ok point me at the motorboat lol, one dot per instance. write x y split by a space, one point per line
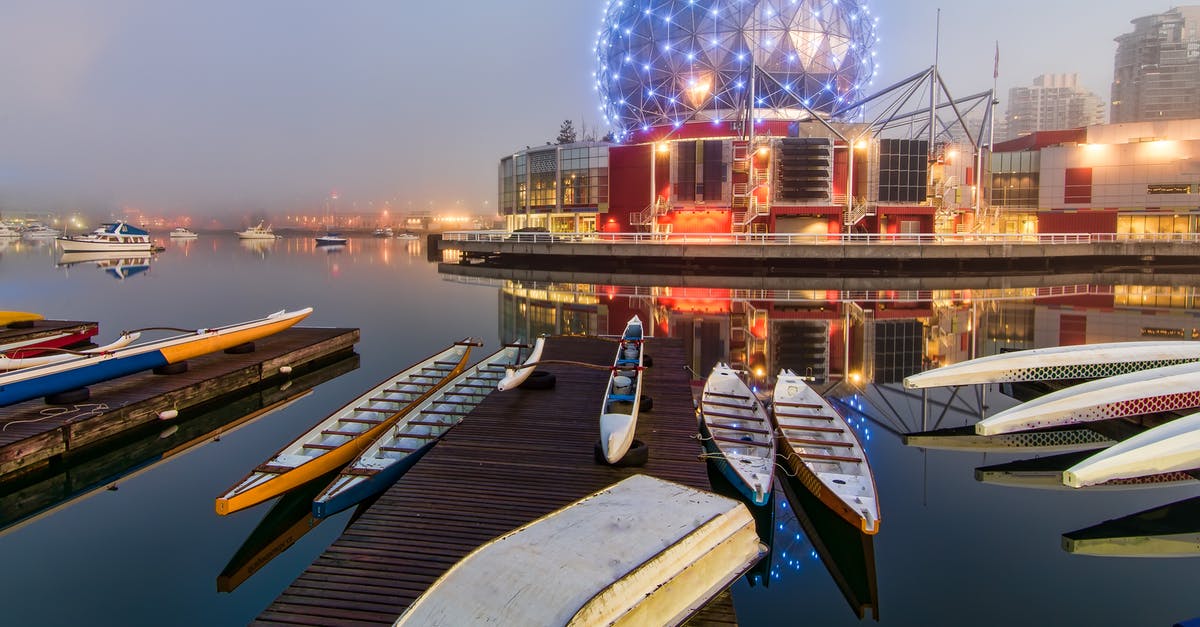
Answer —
115 237
258 231
331 239
383 232
8 232
407 235
37 231
183 233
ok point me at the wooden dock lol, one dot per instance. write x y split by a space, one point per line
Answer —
518 456
33 433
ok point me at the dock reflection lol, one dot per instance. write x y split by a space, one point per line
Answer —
45 491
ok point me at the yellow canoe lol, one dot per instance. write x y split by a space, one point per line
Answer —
9 317
343 435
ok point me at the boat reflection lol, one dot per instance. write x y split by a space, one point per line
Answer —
260 247
43 492
1168 531
764 523
116 264
847 553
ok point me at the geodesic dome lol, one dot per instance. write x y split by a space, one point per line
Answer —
665 62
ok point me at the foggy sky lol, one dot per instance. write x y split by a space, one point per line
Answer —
227 107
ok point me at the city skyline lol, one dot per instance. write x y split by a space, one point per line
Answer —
231 108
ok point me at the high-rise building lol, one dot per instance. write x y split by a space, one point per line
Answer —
1156 75
1053 102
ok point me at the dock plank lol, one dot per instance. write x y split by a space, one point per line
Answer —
517 456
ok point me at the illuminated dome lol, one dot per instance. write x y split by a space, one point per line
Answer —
666 62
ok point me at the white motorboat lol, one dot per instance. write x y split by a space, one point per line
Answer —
8 232
115 237
331 239
183 233
38 231
258 231
641 552
409 236
383 232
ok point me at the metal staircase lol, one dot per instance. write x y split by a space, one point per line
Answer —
649 216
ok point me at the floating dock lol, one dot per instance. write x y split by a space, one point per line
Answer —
34 433
518 456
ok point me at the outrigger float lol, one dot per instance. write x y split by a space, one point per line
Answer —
83 370
343 435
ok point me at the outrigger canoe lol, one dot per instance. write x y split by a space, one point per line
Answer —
737 434
1167 448
343 435
392 454
1059 363
48 342
673 550
623 396
1148 391
824 453
14 363
83 370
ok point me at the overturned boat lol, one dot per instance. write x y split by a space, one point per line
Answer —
1170 448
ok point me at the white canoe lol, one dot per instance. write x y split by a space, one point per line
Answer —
1171 447
823 451
737 434
623 395
1087 361
514 377
666 550
1144 392
8 363
340 437
393 453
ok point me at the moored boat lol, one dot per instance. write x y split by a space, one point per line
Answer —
393 453
1058 363
331 239
181 232
38 231
822 450
115 237
1147 391
342 436
623 395
12 360
18 317
737 435
33 346
8 232
383 232
407 235
258 231
83 370
1167 448
675 548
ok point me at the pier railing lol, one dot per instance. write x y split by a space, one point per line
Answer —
835 239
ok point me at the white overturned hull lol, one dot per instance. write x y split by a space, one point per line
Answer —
674 548
1161 389
514 377
1168 448
1059 363
1046 473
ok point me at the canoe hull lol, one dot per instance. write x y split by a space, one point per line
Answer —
717 458
368 485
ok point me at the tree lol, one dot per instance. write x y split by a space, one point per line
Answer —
566 132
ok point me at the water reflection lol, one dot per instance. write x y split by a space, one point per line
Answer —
1168 531
118 265
45 491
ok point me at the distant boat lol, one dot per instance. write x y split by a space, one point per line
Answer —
341 436
383 232
257 231
641 552
737 435
183 232
392 454
622 395
8 232
407 235
37 231
331 239
1143 392
1167 448
115 237
1086 361
823 452
83 370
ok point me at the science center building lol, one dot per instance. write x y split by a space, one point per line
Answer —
744 116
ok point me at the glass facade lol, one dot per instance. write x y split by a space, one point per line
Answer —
1015 179
559 187
903 170
584 177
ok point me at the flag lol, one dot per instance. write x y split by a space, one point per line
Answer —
996 69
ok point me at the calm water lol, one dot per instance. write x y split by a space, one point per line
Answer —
952 550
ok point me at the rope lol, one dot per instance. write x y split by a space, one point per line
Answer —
182 330
17 352
54 412
564 362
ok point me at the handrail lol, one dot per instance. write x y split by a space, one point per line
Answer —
831 239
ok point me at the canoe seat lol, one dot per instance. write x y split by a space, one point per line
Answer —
442 412
621 397
418 436
730 405
811 428
715 425
352 434
717 414
446 363
362 421
384 399
739 441
825 417
827 458
627 362
718 394
800 405
821 443
398 449
323 447
378 411
473 386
